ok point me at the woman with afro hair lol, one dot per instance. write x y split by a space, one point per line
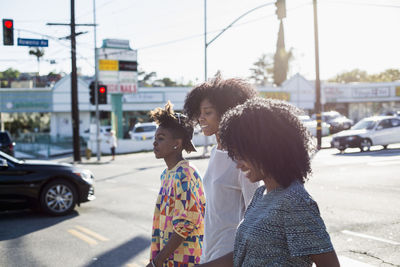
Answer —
178 225
227 190
282 225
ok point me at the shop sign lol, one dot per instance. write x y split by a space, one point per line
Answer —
145 98
276 95
371 92
108 65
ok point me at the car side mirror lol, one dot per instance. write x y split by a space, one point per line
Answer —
3 163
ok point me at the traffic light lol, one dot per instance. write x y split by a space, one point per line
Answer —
102 91
92 92
8 32
280 9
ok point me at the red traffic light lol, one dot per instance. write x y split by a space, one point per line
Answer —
8 24
102 90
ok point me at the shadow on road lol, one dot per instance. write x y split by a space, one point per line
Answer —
390 152
19 223
122 254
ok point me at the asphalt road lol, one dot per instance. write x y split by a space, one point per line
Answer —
358 195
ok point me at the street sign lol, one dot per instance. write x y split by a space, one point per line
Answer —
33 42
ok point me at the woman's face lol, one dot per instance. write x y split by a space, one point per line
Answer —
209 118
252 173
164 143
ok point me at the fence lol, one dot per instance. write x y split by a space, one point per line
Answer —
42 145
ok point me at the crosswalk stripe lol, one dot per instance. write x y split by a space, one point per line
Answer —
83 237
91 233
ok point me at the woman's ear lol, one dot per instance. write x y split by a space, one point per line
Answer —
178 144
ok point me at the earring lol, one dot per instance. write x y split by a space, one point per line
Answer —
175 147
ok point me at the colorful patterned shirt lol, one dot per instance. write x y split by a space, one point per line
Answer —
179 208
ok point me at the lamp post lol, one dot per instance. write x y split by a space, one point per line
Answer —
206 44
317 81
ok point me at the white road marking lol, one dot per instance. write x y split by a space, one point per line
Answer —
384 163
370 237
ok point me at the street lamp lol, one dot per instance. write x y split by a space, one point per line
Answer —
206 44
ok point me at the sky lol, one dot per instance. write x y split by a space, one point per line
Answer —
169 35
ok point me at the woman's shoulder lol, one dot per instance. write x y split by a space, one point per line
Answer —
297 195
186 168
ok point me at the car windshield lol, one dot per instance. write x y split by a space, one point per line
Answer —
364 124
142 129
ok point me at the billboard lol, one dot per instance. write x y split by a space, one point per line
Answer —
118 70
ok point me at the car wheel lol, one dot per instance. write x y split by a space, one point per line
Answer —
341 151
58 197
365 145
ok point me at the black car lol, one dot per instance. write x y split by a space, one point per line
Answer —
54 188
6 144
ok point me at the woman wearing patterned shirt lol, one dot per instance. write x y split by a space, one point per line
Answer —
178 228
282 225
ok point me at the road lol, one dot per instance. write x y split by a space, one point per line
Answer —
358 195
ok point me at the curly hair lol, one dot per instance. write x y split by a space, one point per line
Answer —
269 134
222 94
178 124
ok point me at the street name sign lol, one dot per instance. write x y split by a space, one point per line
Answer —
33 42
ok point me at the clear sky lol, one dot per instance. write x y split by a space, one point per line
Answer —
169 35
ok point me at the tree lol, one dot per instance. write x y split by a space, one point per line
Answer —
7 76
164 82
388 75
357 75
281 58
145 78
262 70
38 53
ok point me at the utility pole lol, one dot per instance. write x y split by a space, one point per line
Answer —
317 81
74 89
74 83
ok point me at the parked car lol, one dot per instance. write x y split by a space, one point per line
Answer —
143 131
378 130
337 121
6 143
52 187
104 131
311 125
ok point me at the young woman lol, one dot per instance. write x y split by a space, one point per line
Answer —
179 213
227 190
282 225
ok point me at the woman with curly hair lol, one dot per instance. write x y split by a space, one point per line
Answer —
227 190
178 225
282 225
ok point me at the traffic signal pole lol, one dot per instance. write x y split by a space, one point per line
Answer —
96 82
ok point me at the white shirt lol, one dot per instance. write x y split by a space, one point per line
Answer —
228 192
113 141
